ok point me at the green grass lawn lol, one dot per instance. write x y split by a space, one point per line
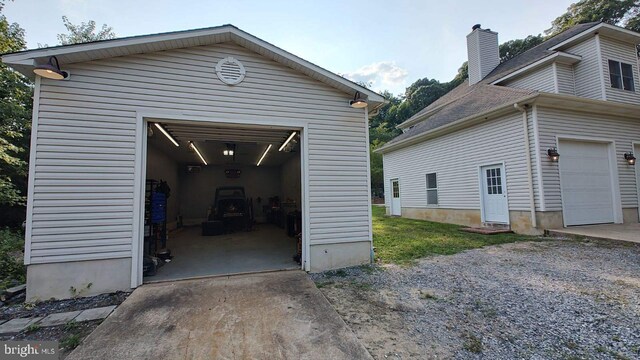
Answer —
401 241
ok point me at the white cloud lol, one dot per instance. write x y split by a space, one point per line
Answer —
384 75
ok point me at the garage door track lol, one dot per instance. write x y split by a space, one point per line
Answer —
278 315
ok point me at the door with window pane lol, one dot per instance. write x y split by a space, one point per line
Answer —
395 197
493 185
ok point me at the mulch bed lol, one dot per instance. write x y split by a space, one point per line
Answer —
44 308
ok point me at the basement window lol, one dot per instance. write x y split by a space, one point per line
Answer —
432 189
621 75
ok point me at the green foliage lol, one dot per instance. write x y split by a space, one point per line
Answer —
402 240
512 48
15 119
11 265
84 32
70 342
624 13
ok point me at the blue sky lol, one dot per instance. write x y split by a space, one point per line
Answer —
389 43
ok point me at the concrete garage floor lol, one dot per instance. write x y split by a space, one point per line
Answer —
280 315
264 249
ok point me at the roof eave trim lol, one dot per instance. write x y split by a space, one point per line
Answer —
592 29
28 57
371 95
548 59
502 109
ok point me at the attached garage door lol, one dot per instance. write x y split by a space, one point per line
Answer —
585 178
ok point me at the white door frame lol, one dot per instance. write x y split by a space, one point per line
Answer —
137 250
504 189
637 173
399 196
613 161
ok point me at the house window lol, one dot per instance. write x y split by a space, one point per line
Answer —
494 181
396 189
432 189
621 75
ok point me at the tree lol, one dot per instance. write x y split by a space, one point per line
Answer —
15 118
513 48
616 12
85 32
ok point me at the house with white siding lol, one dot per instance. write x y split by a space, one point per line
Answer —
210 148
545 140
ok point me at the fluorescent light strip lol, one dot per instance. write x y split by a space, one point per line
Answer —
288 139
193 146
167 134
263 155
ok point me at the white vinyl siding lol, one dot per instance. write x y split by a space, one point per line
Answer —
587 71
84 173
555 122
539 79
455 157
623 52
566 80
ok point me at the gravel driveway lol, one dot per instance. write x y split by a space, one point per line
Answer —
532 300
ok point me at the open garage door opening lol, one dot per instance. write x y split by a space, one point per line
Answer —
220 199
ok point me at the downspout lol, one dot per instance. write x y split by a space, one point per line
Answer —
527 148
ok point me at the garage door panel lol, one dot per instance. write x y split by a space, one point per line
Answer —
585 174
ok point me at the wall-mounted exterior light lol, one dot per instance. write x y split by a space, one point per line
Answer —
51 70
553 154
631 160
358 102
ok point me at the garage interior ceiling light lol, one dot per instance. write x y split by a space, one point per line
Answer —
263 155
631 160
193 146
167 134
287 141
230 150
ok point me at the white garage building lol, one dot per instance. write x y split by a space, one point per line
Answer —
204 111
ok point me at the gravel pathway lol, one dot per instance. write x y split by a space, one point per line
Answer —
531 300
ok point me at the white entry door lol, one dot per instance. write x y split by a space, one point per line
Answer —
494 194
395 198
585 181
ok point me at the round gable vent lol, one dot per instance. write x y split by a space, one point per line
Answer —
230 71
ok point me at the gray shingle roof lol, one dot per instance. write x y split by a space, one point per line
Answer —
478 99
465 100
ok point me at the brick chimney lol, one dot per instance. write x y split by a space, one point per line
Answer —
483 53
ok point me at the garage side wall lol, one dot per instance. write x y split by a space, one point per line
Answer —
455 158
624 131
83 196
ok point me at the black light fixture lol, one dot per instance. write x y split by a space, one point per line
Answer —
631 160
51 70
358 102
553 154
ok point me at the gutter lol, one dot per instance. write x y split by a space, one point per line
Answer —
508 107
527 151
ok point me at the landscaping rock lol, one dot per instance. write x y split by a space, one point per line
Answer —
16 325
11 292
59 318
95 314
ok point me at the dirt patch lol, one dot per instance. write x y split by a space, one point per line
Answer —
554 299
